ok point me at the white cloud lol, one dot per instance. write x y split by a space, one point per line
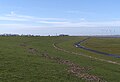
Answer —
82 19
83 24
4 18
16 17
14 25
11 14
47 22
31 22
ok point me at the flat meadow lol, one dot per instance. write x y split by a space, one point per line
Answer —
49 59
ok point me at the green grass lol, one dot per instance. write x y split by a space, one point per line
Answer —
18 65
100 44
109 45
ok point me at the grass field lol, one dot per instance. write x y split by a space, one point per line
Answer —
34 59
110 45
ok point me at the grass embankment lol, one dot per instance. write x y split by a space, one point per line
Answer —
108 68
21 61
109 45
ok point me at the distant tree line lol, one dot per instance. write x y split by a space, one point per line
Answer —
27 35
18 35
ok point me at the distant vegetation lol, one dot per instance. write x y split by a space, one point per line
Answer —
17 35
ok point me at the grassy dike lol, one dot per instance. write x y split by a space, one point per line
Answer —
21 60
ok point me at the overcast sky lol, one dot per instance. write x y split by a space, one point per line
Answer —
51 17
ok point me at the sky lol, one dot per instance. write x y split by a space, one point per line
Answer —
51 17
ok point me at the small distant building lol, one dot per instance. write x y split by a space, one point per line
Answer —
63 35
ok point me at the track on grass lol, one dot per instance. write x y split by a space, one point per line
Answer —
91 57
75 69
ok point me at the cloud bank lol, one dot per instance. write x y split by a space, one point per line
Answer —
56 22
15 23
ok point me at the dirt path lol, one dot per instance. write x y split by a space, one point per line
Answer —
103 60
77 70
